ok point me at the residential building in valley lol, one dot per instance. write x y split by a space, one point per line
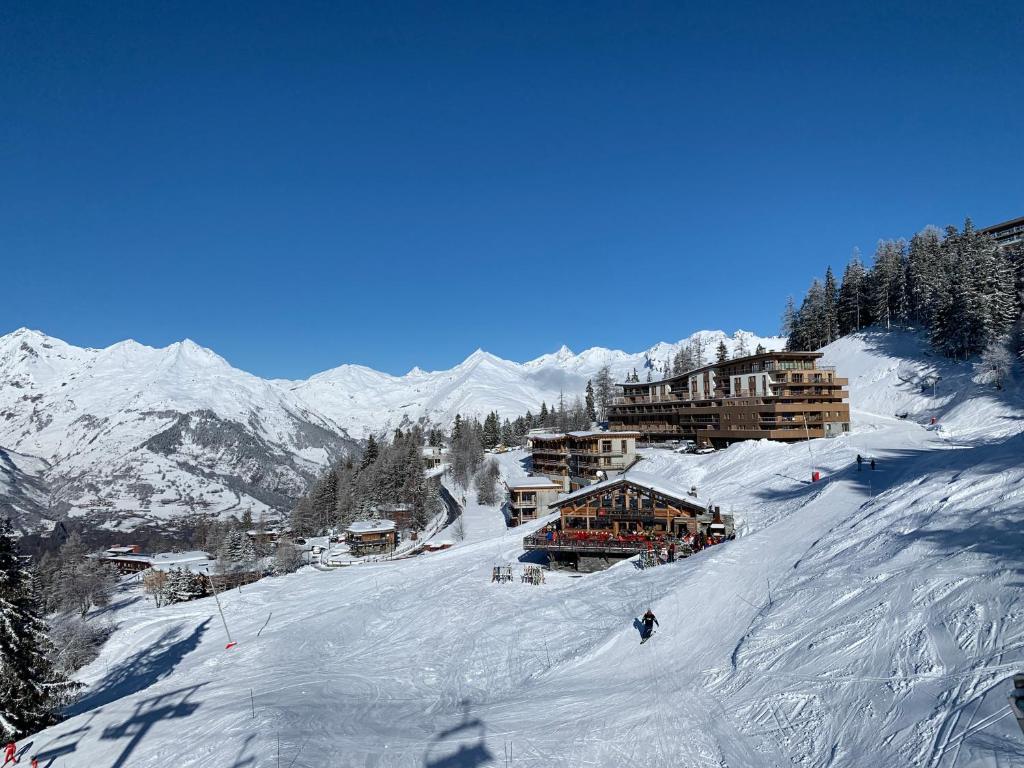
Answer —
576 459
530 497
775 395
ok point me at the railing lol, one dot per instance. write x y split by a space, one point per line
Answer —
609 545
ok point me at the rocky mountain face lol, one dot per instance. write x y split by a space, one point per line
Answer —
131 435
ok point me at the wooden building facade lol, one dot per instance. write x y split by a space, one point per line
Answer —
784 396
629 514
576 459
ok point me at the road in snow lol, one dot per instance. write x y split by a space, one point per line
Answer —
869 620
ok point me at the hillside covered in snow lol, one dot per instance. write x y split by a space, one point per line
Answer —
870 619
130 435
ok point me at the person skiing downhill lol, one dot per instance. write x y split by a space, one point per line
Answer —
649 621
11 753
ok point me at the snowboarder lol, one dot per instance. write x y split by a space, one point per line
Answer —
10 753
649 621
872 465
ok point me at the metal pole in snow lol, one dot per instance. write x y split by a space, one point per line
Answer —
219 608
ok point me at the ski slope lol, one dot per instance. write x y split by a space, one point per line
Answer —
871 619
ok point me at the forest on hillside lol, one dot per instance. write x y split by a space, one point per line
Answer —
956 285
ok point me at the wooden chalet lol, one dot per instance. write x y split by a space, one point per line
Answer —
367 537
627 515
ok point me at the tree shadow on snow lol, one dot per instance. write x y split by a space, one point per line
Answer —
461 746
63 744
149 712
140 670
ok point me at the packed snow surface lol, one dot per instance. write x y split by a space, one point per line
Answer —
870 619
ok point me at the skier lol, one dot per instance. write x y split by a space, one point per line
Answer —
10 753
649 621
872 465
860 460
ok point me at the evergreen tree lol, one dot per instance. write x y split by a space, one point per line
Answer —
887 283
604 391
32 690
182 585
722 353
789 320
543 418
852 308
926 278
683 360
590 403
830 309
371 451
491 431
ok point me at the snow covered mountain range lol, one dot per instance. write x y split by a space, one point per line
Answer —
130 434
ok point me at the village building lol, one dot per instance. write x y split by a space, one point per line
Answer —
129 559
576 459
784 396
528 498
366 537
400 513
433 456
625 516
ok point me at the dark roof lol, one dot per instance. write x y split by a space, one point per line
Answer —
996 227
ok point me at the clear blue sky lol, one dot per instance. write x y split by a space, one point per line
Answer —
298 185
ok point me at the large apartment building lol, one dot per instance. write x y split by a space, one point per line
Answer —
773 395
1007 234
577 459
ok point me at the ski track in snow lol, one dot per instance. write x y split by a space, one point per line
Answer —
872 619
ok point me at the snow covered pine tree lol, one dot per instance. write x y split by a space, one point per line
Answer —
32 691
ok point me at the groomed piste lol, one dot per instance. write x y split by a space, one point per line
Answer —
870 619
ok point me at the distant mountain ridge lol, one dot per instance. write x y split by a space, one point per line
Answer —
130 434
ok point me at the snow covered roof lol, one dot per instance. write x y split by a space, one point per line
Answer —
196 561
371 526
580 433
178 557
531 482
646 480
398 506
121 550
